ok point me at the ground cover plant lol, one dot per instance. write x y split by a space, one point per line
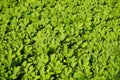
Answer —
59 39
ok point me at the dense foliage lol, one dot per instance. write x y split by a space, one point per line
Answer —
59 39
